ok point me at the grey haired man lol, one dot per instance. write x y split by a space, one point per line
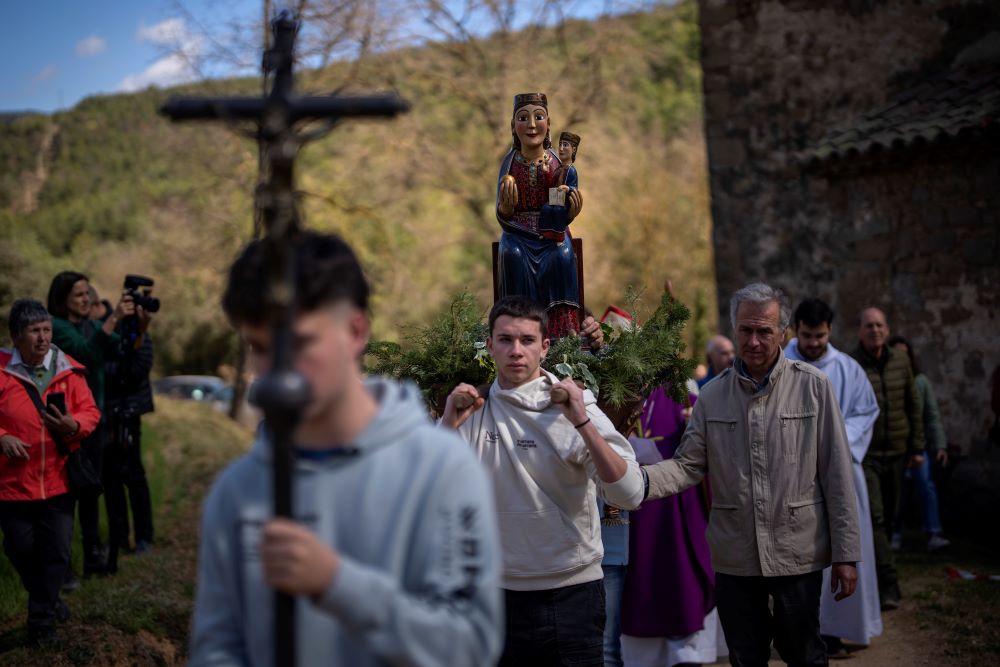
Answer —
770 433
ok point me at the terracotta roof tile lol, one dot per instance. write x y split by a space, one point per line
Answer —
946 106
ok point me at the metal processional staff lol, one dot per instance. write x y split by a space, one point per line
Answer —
282 394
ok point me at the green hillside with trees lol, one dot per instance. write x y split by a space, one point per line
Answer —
110 187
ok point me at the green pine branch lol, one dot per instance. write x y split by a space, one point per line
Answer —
634 362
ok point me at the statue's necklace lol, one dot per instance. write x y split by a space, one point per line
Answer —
534 166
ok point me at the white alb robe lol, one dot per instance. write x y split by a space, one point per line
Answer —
859 617
703 647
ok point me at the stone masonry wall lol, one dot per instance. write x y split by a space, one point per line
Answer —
918 235
923 244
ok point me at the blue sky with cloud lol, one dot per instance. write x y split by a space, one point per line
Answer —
56 52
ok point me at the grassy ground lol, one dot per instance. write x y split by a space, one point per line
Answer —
140 616
963 617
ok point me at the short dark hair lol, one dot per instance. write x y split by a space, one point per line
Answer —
23 314
520 307
812 313
59 292
895 340
326 272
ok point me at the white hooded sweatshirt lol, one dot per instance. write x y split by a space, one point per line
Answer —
546 484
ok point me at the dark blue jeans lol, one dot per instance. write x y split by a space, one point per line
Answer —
614 586
560 626
749 625
922 479
36 539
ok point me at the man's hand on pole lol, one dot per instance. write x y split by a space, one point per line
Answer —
462 402
590 330
569 397
295 561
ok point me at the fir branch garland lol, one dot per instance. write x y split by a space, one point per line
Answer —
632 363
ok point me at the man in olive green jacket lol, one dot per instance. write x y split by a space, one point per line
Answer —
769 433
897 439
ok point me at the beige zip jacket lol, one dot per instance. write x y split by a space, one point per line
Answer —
783 500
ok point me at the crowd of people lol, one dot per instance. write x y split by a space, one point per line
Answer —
884 419
525 530
73 389
522 528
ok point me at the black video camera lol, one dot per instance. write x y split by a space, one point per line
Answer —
132 284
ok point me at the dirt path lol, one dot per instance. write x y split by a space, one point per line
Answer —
903 643
31 182
941 623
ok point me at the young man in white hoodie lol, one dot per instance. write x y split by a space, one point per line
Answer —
549 461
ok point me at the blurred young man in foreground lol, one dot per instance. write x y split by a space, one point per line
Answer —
393 553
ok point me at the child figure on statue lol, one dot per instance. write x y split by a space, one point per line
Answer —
555 215
569 143
536 257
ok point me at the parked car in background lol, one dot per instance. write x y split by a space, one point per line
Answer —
209 389
190 387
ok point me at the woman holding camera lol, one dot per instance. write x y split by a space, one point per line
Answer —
92 343
36 506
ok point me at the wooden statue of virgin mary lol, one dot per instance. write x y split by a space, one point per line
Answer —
536 202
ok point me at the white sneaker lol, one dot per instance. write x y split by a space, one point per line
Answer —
937 542
897 542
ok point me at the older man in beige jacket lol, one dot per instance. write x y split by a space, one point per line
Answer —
769 433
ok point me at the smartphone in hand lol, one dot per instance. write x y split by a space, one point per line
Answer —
58 399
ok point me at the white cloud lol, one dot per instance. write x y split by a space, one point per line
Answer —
171 32
91 46
48 72
176 67
167 71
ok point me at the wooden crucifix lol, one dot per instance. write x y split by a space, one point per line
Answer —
278 118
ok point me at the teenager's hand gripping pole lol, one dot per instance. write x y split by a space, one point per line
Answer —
282 393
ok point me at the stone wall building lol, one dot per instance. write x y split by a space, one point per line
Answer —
854 154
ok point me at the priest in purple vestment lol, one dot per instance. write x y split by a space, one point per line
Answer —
668 605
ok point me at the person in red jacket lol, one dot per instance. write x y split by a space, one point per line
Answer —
36 506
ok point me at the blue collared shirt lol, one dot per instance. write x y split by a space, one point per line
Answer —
758 387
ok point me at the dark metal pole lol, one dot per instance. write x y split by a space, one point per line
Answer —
284 393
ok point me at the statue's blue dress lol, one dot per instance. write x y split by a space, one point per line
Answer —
541 267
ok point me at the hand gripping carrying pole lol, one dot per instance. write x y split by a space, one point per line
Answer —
277 118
